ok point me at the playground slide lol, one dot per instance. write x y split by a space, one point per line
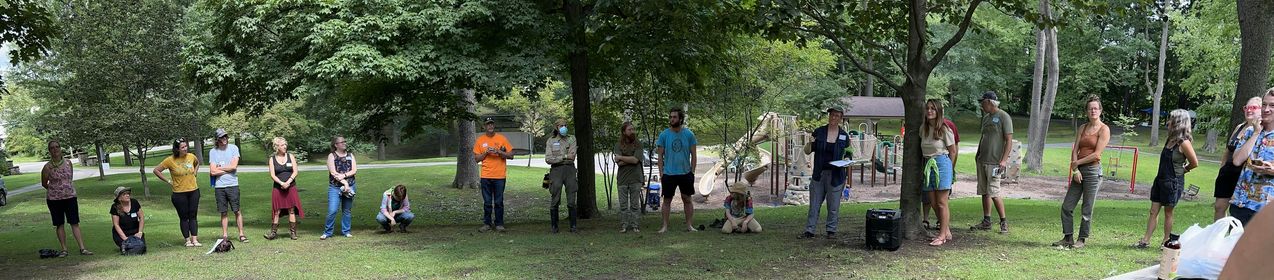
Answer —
707 183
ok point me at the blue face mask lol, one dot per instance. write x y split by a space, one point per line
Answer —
561 130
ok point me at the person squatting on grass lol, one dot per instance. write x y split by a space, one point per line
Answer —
676 147
993 158
127 218
223 165
560 155
57 178
1086 177
283 198
629 157
939 148
183 166
828 181
1257 180
1175 160
1232 165
739 217
493 151
341 168
395 210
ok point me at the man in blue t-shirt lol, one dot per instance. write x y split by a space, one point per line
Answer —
223 165
677 160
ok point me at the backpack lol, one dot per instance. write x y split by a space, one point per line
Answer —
133 246
48 253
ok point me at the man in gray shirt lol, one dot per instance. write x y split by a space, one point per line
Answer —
223 164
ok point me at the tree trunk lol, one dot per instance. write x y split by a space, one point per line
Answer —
581 105
198 151
1210 144
128 156
870 85
442 138
101 158
1256 31
1035 154
913 97
466 167
1163 56
380 148
141 167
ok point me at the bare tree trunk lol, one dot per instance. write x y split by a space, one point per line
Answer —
466 167
128 156
1163 56
442 138
141 167
1035 154
101 158
380 148
1210 144
198 151
582 107
1256 31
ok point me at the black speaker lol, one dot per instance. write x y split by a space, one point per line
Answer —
884 229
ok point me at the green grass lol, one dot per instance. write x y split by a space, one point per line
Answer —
446 245
18 181
25 159
249 155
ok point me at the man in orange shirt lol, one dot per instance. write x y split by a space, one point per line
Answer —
492 151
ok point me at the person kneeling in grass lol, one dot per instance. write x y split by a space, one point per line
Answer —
738 214
395 210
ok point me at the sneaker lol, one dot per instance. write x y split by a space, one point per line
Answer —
635 230
984 225
485 228
806 235
499 228
348 235
1004 227
323 237
1065 242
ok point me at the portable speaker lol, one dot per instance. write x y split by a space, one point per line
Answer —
884 229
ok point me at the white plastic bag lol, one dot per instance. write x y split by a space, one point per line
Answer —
1205 250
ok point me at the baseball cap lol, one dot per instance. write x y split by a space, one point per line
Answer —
989 95
221 132
489 121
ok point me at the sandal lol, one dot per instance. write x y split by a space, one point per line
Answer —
63 254
939 241
188 244
86 252
1141 245
243 239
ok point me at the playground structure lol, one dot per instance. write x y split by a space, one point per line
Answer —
1113 161
769 124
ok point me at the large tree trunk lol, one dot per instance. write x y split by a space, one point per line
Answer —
1154 113
1210 144
466 167
1035 154
581 104
1256 30
1041 118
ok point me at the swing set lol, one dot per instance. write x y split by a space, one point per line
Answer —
1113 162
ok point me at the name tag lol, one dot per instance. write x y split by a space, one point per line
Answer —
134 215
484 145
842 137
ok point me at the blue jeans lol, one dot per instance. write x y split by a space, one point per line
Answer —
403 219
824 192
337 203
492 201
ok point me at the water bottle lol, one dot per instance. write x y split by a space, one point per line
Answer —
1168 259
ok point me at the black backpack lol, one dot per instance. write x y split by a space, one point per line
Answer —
133 246
222 246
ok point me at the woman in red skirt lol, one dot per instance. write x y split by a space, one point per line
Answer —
284 197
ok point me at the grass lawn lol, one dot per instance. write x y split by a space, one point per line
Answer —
445 243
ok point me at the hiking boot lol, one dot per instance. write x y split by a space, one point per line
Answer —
1078 244
984 225
806 235
485 228
1004 227
1065 242
274 232
831 235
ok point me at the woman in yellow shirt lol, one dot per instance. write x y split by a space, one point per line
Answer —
183 166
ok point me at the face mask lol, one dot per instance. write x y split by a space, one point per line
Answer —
561 130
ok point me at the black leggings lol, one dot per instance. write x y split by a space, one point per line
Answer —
187 205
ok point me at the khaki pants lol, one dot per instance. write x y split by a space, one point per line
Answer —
753 226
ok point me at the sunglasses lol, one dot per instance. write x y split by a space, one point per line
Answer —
1252 108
